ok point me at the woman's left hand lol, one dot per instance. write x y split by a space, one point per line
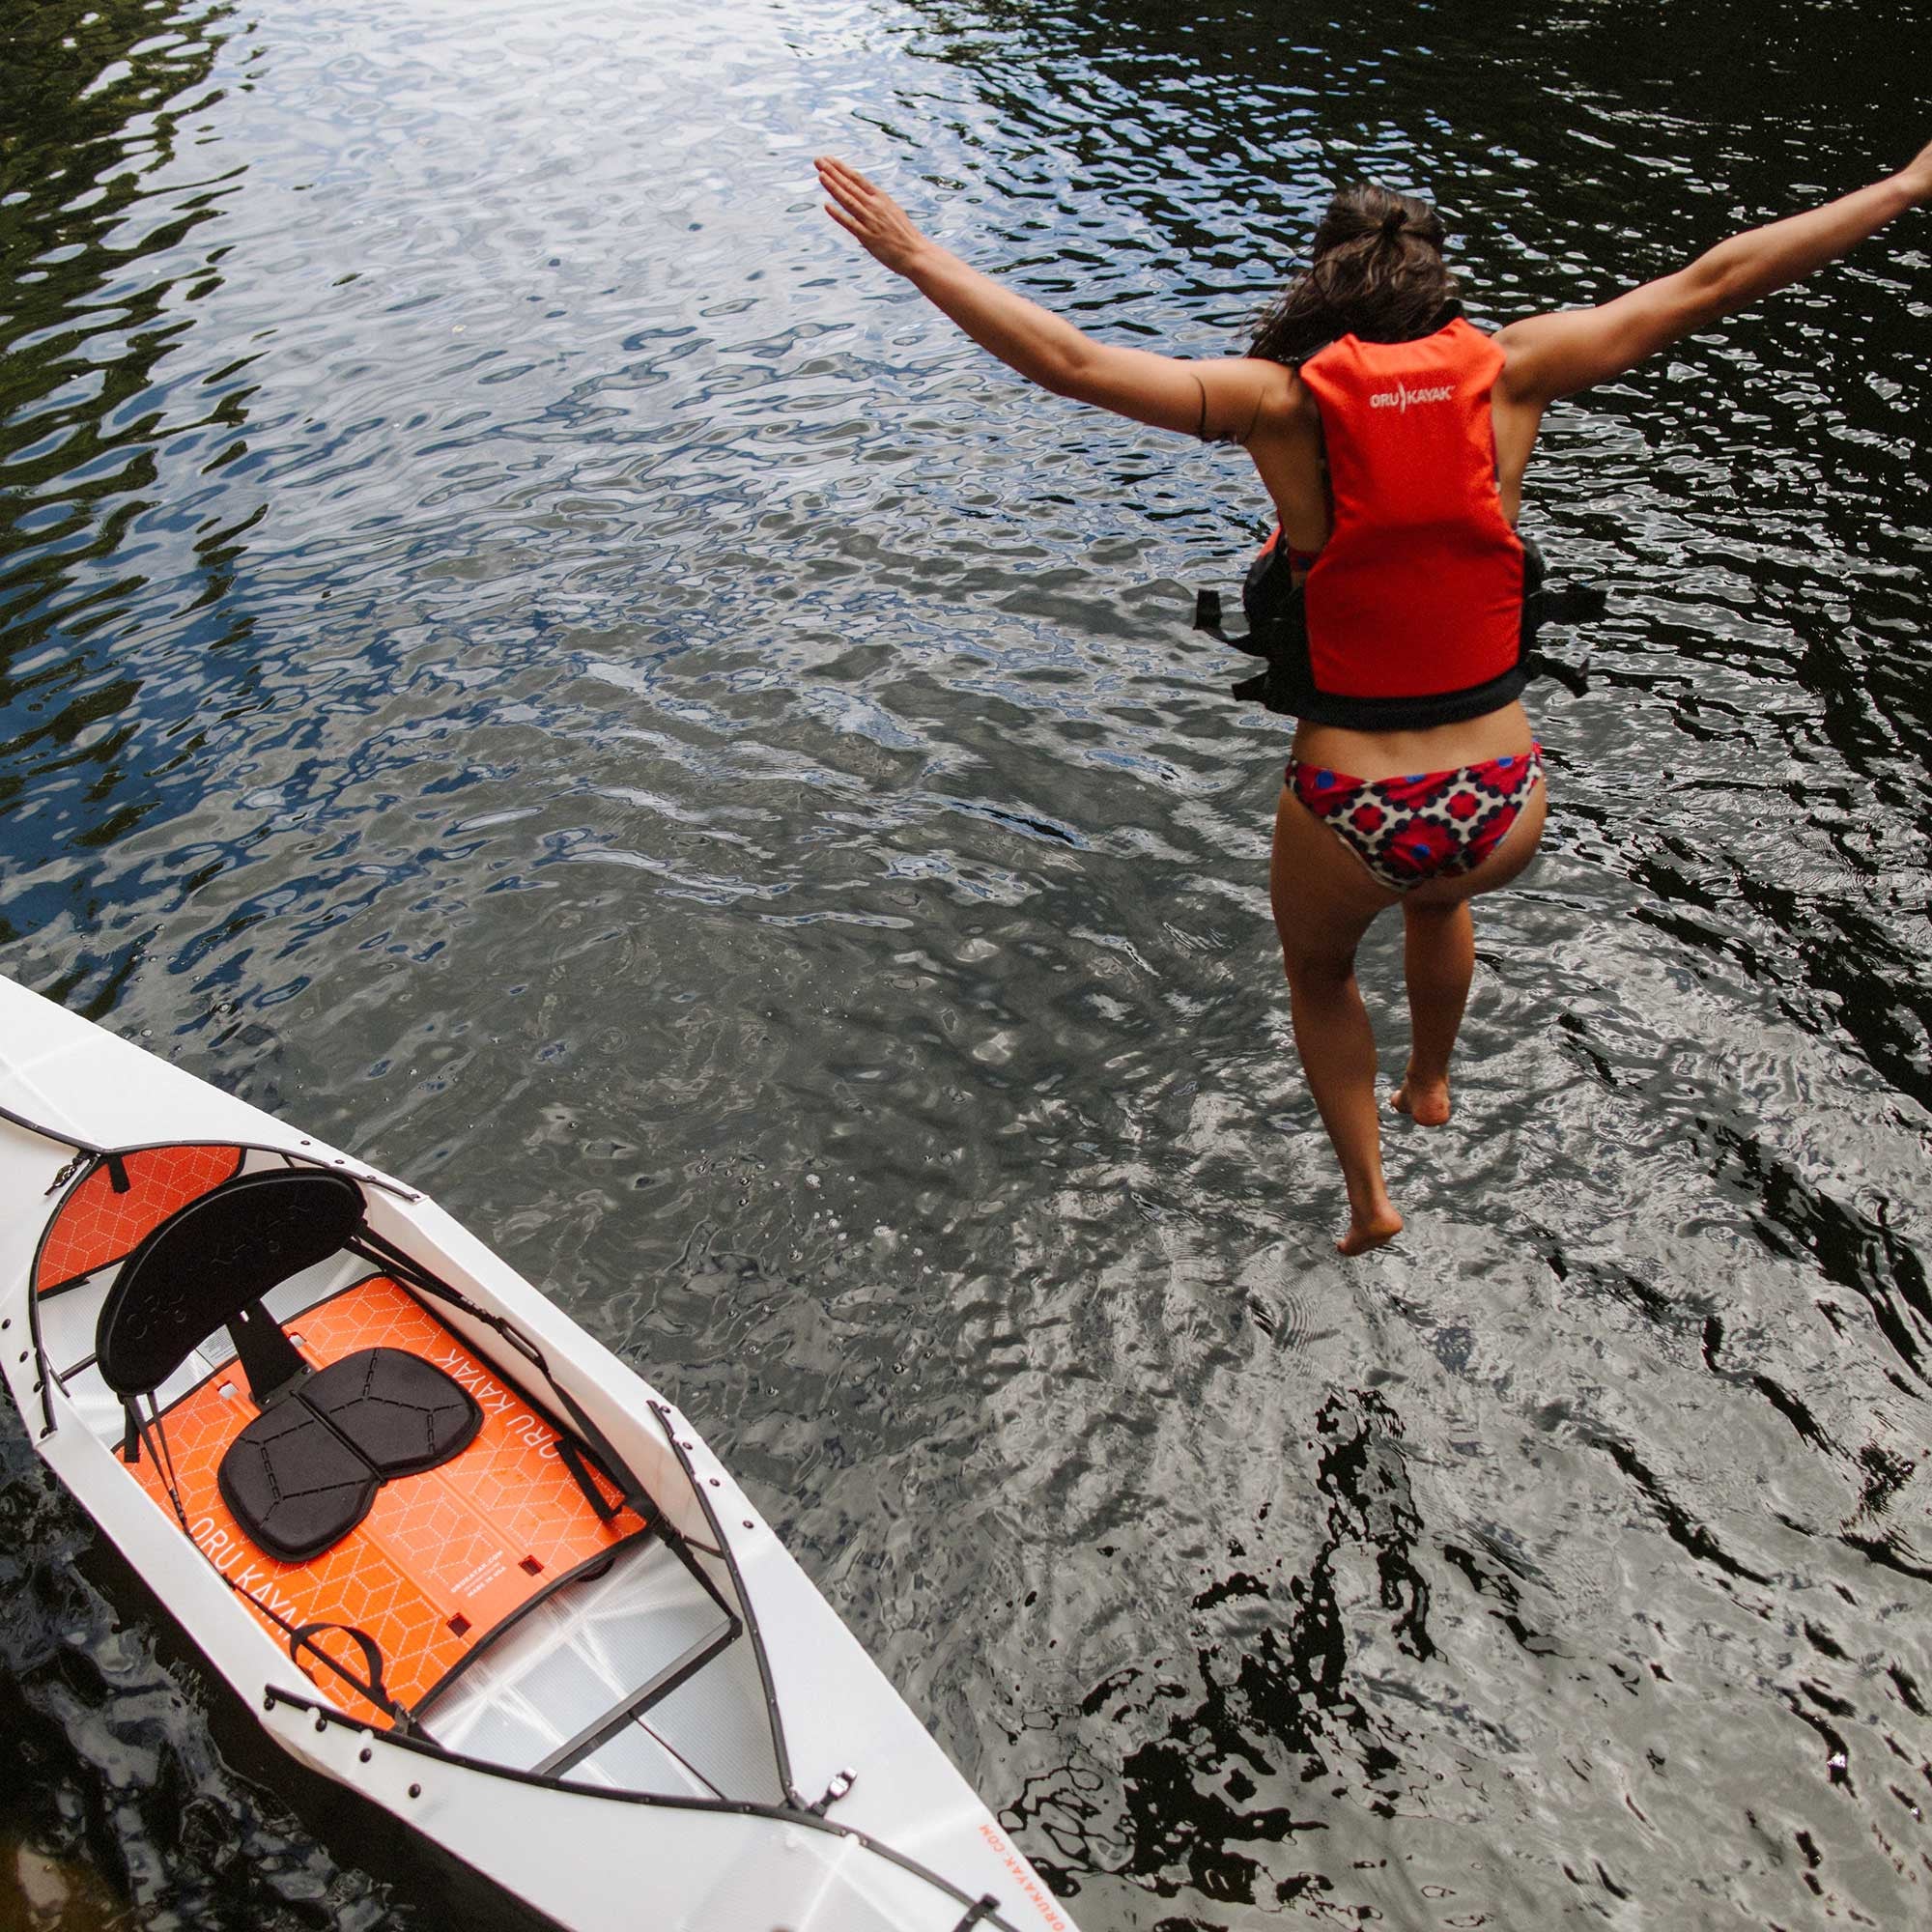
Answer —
879 222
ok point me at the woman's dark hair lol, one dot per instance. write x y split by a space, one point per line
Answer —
1377 273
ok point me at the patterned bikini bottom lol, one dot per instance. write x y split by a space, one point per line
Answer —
1436 825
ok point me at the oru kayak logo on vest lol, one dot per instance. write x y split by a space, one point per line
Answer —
1402 396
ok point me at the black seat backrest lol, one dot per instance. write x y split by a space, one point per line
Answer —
209 1262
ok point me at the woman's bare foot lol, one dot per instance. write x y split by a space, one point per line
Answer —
1372 1230
1426 1102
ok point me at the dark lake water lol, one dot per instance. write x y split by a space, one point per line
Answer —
526 654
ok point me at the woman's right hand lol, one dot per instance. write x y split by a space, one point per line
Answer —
881 225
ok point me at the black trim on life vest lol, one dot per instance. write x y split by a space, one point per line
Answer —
1278 632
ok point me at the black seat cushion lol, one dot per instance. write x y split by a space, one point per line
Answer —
400 1412
306 1473
293 1483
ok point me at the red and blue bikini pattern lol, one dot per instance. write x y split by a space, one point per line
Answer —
1436 825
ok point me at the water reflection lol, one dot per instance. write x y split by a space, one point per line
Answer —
523 655
117 559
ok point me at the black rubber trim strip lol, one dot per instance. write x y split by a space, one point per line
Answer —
976 1913
779 1749
75 1175
53 1134
740 1808
594 1736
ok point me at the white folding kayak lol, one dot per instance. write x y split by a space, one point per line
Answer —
451 1550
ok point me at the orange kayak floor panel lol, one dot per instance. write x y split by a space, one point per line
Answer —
97 1225
443 1557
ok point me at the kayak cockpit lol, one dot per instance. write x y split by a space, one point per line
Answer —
388 1475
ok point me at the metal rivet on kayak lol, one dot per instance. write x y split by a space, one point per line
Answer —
415 1791
365 1754
714 1482
268 1702
748 1524
322 1723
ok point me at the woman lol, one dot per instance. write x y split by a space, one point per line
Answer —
1392 437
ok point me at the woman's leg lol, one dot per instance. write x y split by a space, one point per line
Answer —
1323 901
1439 961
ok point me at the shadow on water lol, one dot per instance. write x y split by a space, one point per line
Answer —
521 653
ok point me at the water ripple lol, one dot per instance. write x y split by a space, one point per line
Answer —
522 651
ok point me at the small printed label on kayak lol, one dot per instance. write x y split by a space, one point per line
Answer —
1034 1894
483 1576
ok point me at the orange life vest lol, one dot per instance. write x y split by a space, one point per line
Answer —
1421 607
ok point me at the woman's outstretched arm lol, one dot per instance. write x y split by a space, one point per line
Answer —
1217 398
1552 355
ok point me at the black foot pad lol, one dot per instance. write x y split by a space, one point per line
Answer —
293 1483
306 1473
400 1412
